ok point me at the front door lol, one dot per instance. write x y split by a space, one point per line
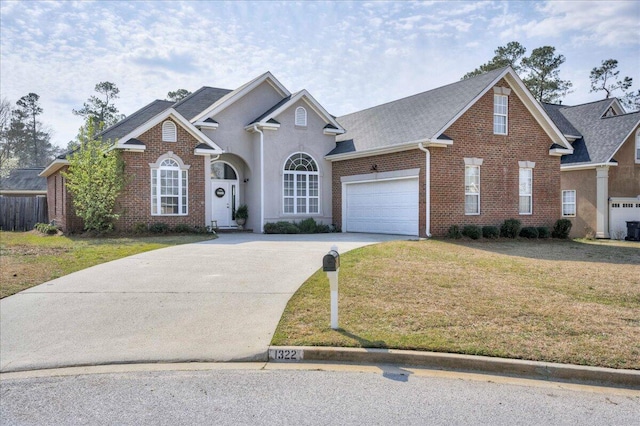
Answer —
225 200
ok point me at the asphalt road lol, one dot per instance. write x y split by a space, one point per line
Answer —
281 396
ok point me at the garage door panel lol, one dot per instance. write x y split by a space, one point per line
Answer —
622 210
389 207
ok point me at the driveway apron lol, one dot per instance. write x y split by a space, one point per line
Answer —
219 300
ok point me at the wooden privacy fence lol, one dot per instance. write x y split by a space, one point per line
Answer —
22 213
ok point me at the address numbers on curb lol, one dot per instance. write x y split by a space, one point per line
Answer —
286 354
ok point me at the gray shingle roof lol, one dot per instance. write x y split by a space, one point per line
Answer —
199 100
135 120
553 110
417 117
24 180
601 136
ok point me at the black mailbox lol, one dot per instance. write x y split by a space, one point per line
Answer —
331 261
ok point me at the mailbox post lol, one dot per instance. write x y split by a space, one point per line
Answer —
331 265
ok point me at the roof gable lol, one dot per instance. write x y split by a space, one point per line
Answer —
135 120
332 127
424 117
234 95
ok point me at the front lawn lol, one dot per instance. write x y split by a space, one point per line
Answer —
559 301
29 258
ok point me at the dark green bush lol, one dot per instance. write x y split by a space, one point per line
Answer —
46 228
281 227
140 228
159 228
543 232
529 232
510 228
308 226
561 229
454 232
183 228
472 231
490 232
323 229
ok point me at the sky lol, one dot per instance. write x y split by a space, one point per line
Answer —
348 55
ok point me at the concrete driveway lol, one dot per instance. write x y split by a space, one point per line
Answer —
220 300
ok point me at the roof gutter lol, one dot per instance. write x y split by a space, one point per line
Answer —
406 146
427 189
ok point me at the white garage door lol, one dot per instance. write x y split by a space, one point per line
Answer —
385 207
621 210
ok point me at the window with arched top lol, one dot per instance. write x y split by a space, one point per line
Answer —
169 131
301 185
301 116
169 187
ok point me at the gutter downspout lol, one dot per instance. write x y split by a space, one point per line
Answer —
427 188
256 129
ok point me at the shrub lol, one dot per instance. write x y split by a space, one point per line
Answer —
281 227
472 231
510 228
308 226
543 232
490 232
200 229
183 228
140 228
454 232
561 228
46 228
529 232
159 228
323 229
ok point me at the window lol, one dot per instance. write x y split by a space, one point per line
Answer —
472 190
500 114
526 185
301 192
569 203
169 188
169 132
638 146
301 116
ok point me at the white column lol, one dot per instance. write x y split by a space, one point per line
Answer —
602 202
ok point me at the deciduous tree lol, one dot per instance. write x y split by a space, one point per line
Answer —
95 178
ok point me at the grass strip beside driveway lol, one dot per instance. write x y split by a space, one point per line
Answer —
572 302
29 258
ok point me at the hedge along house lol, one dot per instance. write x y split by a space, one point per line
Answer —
601 180
478 151
195 161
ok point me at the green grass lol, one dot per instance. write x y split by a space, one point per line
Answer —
558 301
29 258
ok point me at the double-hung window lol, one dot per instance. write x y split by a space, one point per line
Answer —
301 191
169 186
500 108
569 203
526 191
472 190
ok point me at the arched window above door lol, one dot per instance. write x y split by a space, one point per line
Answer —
222 170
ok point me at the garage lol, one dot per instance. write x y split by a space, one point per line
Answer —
381 206
621 210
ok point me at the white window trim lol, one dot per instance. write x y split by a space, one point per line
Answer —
520 194
505 115
295 197
183 191
169 131
474 165
574 203
301 119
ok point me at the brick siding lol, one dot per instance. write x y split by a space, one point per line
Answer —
473 137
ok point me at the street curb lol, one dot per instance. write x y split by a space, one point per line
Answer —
537 370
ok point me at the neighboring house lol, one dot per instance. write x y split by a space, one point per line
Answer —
601 179
23 201
477 151
195 161
25 182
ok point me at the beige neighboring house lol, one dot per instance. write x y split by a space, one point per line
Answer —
600 181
